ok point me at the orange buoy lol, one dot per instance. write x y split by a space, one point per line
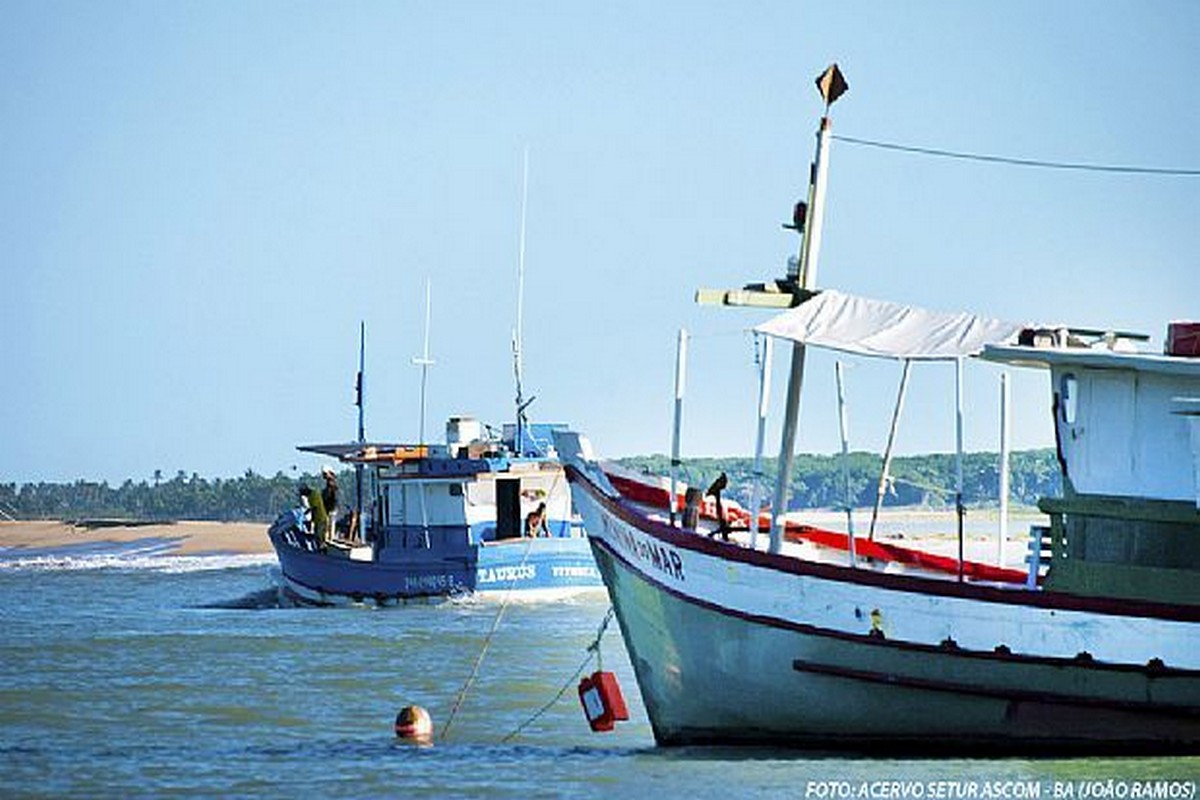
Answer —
414 724
603 703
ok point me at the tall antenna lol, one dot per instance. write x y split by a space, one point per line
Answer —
358 384
518 331
424 361
521 265
362 437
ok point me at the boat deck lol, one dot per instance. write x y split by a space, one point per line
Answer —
932 556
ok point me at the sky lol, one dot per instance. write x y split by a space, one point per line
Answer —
201 201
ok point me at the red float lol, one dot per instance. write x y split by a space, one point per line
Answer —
603 703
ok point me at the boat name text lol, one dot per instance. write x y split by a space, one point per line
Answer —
574 572
507 574
429 583
650 552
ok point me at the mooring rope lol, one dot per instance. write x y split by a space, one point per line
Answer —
487 642
593 651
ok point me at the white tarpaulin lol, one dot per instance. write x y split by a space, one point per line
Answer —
888 330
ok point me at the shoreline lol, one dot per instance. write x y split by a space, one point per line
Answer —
194 537
187 537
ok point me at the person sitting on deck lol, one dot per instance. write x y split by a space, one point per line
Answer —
535 522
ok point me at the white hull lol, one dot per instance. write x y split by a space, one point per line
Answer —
733 645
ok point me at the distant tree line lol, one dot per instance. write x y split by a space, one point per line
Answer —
817 482
926 480
251 497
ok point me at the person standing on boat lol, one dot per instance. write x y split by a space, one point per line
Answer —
535 522
320 519
329 496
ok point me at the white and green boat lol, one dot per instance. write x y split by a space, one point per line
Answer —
810 639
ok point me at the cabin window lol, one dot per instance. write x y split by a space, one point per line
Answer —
1069 398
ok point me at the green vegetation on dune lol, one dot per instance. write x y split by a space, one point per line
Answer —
925 481
250 497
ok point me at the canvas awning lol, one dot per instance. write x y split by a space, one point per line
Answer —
884 329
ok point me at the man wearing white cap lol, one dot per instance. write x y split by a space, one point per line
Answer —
329 496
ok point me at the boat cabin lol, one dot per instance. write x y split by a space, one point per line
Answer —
475 488
1127 432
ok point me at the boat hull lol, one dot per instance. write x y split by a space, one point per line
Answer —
857 662
446 567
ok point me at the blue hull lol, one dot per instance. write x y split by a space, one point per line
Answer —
442 564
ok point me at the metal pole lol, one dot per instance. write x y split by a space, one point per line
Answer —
887 453
764 394
1005 449
844 430
358 389
519 331
807 278
521 257
362 438
811 246
680 378
958 457
425 362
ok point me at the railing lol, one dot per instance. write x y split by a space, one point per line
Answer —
1039 554
1132 547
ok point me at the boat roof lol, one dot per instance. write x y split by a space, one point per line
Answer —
411 461
883 329
1095 357
344 450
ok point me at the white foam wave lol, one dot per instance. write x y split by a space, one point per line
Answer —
150 558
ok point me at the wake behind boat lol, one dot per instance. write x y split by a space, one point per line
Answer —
477 514
827 640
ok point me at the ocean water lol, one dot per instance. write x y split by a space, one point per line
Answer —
129 672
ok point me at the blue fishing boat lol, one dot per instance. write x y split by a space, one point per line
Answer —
479 514
483 513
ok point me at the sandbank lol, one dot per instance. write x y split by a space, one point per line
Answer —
189 537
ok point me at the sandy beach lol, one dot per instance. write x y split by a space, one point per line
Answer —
190 538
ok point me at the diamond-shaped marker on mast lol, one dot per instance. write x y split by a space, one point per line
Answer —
832 84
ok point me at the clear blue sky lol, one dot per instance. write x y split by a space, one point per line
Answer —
199 201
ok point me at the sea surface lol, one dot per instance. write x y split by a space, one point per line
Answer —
129 672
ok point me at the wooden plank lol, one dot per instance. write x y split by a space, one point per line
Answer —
771 295
1112 507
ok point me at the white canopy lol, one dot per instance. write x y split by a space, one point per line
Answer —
888 330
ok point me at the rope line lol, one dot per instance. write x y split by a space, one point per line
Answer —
487 642
1020 162
557 697
593 651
